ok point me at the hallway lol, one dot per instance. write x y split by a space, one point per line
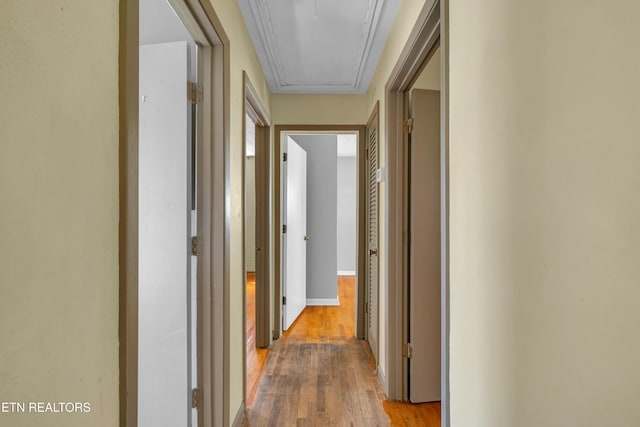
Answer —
319 374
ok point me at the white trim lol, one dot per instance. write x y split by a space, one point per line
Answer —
239 418
346 272
381 377
323 301
375 31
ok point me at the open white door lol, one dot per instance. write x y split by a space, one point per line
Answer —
424 269
295 197
164 328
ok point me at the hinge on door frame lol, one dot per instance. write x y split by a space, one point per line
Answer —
194 93
284 228
194 398
366 307
195 246
407 125
284 300
407 350
284 157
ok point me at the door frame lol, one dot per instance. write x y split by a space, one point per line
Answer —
254 108
277 215
205 28
429 31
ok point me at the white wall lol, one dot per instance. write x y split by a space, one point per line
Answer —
250 213
545 209
322 282
59 214
346 205
250 195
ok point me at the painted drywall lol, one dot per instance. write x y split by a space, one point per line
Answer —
322 188
545 210
250 214
243 58
319 109
429 77
346 214
59 216
404 23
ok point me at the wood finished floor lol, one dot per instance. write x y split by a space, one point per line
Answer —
256 357
319 374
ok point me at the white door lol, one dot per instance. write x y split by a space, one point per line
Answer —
295 280
424 269
164 328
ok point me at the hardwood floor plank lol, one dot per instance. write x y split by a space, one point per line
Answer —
256 357
319 374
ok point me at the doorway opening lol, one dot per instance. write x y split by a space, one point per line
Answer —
255 356
257 241
417 269
319 205
423 305
167 279
172 211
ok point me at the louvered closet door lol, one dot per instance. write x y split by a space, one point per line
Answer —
372 225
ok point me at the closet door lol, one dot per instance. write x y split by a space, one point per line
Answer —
424 250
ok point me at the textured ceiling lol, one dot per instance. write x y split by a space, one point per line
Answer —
319 46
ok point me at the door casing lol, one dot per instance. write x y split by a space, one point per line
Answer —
254 108
277 215
429 32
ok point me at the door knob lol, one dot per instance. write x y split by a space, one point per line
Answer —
373 252
306 238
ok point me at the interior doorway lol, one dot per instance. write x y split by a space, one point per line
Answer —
409 189
183 339
424 314
167 267
334 233
257 241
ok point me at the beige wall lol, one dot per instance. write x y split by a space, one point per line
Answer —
243 57
429 77
319 109
402 26
545 208
59 215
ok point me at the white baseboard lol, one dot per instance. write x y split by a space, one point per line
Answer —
323 301
346 273
239 418
382 378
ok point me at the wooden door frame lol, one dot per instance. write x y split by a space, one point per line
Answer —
205 28
277 218
254 108
429 31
